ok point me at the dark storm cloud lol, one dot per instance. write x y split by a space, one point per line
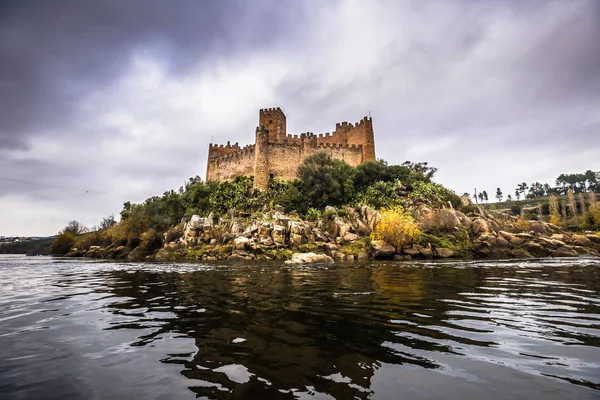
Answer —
124 96
54 52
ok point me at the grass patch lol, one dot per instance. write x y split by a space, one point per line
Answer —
361 245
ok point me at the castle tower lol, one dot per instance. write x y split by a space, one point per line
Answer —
360 134
261 158
273 120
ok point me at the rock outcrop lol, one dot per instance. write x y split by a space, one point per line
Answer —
275 235
309 258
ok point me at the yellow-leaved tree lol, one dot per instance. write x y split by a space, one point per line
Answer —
554 210
396 227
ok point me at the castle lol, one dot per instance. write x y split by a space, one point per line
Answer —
277 155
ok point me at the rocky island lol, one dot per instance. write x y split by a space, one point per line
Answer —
326 195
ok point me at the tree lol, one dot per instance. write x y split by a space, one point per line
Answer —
370 172
571 204
554 210
63 243
75 228
521 188
536 190
422 168
485 196
517 194
509 198
326 180
498 195
107 222
480 195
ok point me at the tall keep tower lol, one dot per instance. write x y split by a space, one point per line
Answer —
273 120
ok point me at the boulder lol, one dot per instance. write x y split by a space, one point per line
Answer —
398 257
565 251
578 240
362 256
426 252
239 255
411 251
501 242
237 229
281 219
536 250
593 238
74 253
319 235
443 253
296 240
278 235
264 230
267 242
343 227
139 253
464 220
329 248
380 249
479 227
309 258
241 243
465 201
370 217
351 237
195 222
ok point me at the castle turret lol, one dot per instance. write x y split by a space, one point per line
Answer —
361 134
261 159
273 120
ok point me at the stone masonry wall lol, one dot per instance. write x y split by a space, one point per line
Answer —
240 162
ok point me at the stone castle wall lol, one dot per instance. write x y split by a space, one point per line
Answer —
226 163
276 155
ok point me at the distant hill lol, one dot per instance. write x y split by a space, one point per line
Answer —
30 246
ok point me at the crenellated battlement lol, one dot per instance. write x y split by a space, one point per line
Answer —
239 152
276 155
357 147
264 110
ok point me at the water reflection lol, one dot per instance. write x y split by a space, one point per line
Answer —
352 331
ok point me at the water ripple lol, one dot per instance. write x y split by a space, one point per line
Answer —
92 329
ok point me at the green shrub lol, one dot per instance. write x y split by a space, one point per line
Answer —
313 214
151 239
515 209
286 194
433 194
232 194
468 210
63 243
326 181
96 238
330 213
380 195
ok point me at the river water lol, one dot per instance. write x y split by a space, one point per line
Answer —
80 329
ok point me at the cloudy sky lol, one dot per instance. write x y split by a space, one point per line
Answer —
107 101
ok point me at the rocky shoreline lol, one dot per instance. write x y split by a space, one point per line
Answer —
344 235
